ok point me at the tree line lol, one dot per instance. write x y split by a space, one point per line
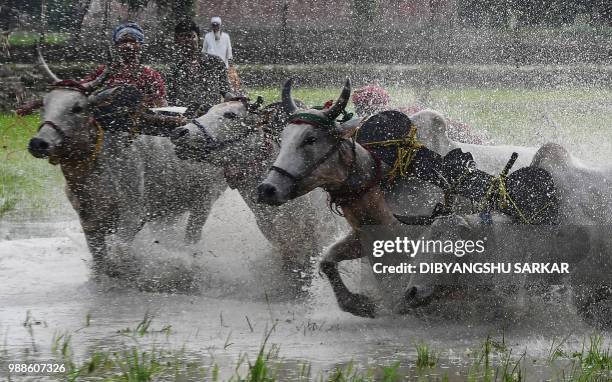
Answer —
68 15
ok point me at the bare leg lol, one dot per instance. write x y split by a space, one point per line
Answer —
348 248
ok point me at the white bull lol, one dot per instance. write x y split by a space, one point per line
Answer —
240 143
116 185
585 196
315 152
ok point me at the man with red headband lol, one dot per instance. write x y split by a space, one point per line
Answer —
128 39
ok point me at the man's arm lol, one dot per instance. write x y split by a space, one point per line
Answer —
93 75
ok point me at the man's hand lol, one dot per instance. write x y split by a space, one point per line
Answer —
28 107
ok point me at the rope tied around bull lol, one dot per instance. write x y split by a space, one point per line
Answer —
498 190
407 149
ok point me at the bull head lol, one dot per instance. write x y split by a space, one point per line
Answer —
289 106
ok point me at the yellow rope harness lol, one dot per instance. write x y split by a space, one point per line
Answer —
406 151
99 141
498 187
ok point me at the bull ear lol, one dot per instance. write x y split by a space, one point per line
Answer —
252 107
346 129
287 103
341 102
102 97
228 96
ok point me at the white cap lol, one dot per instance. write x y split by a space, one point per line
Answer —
215 20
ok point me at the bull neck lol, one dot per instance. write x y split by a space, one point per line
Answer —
364 203
114 146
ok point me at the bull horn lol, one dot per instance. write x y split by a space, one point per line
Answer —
341 102
93 84
287 102
45 68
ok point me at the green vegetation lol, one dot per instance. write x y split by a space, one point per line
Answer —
26 184
426 358
142 357
24 39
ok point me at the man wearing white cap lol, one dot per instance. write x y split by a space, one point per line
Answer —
217 42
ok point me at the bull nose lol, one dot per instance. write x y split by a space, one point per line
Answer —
38 147
178 133
267 193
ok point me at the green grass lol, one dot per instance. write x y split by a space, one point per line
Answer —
24 39
27 184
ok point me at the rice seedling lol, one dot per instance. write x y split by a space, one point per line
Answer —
592 363
426 357
142 328
137 362
510 370
481 369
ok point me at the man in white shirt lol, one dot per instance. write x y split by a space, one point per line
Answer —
218 43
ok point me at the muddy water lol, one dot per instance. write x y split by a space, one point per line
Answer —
46 283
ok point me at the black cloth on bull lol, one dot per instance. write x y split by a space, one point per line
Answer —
528 194
120 109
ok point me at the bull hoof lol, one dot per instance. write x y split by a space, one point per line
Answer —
191 239
102 267
359 305
415 297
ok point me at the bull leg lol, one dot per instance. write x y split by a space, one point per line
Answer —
348 248
279 233
286 229
199 214
96 243
128 225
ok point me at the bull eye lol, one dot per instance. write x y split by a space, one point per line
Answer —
77 109
229 115
310 140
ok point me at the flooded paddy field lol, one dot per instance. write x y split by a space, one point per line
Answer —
51 308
